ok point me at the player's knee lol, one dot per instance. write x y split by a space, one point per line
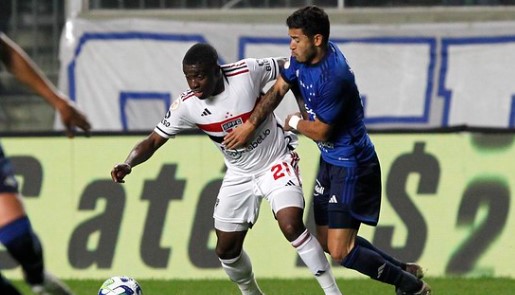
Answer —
338 254
292 231
227 252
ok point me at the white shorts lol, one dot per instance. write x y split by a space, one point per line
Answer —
239 199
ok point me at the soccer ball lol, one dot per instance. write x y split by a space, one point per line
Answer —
120 285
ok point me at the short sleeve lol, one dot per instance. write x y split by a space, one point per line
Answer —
263 70
175 120
289 73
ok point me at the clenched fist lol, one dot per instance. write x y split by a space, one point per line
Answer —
120 171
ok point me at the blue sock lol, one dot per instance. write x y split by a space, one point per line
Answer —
6 288
372 264
24 246
364 243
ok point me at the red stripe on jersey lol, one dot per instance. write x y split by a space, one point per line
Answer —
236 73
228 66
189 95
218 126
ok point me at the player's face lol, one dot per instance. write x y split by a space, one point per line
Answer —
301 46
203 80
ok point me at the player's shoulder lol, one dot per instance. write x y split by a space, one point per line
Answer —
184 98
186 95
236 68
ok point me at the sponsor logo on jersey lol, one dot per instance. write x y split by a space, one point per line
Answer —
319 190
165 123
10 181
175 104
258 140
326 145
264 62
333 199
290 183
319 273
206 112
229 125
380 270
236 154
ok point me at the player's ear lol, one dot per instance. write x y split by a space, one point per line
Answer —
318 40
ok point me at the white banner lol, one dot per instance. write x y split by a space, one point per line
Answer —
124 73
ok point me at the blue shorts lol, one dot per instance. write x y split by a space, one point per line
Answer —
8 183
345 197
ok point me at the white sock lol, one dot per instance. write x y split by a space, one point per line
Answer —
239 270
314 257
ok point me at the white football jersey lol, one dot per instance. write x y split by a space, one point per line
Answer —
218 115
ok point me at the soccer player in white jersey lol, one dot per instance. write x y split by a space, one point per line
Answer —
220 99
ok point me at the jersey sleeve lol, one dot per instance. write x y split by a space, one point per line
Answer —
289 71
175 120
263 70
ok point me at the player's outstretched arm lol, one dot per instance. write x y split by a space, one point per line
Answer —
139 154
26 71
241 135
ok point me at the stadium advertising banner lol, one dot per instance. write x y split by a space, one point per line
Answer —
124 73
447 204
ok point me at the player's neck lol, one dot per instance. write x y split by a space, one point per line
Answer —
220 87
319 55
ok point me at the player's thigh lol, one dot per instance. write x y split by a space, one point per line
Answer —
237 206
286 197
355 196
321 195
11 207
322 236
280 184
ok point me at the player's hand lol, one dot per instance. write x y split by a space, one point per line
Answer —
239 136
73 118
120 171
287 126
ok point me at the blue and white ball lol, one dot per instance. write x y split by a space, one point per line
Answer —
120 285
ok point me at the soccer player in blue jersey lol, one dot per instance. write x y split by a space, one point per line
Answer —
16 233
348 185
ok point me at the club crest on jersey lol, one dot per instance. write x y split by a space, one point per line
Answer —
175 104
228 126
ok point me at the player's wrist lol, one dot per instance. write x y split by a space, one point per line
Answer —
294 121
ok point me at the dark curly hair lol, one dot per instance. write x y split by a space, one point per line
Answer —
311 20
201 53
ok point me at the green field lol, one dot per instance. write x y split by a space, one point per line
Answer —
448 286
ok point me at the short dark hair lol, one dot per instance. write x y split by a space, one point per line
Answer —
201 53
312 20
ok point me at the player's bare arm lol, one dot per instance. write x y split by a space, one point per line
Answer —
27 72
239 136
294 88
139 154
316 130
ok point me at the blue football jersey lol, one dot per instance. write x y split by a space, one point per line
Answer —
331 95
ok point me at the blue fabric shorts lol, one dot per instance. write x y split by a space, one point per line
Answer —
8 183
345 197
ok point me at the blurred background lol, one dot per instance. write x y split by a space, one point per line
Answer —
37 25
